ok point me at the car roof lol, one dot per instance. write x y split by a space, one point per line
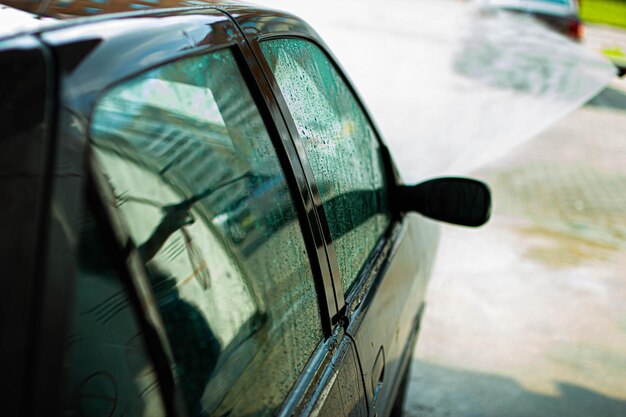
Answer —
31 16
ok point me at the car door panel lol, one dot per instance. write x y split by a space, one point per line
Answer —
387 315
383 306
341 389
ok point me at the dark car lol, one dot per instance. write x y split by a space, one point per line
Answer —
199 219
560 15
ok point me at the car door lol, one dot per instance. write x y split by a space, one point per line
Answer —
208 210
379 261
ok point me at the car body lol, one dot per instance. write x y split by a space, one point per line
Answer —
200 219
560 15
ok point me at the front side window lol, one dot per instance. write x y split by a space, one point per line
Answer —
341 146
206 202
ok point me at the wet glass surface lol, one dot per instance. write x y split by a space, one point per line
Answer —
200 186
340 145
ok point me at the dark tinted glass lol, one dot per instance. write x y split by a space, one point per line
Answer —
109 371
198 181
341 146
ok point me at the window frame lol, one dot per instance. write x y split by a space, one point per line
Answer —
372 274
349 302
137 272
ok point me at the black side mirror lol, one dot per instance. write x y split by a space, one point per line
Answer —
460 201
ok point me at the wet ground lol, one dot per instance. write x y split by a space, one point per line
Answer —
527 317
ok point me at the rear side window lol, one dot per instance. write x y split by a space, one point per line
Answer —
341 146
205 199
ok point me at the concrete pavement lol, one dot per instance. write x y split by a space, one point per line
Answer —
527 317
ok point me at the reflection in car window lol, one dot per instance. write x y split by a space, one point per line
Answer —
206 202
109 371
340 145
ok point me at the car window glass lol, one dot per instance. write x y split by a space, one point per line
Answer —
340 145
198 181
109 371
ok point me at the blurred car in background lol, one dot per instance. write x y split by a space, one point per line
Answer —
560 15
